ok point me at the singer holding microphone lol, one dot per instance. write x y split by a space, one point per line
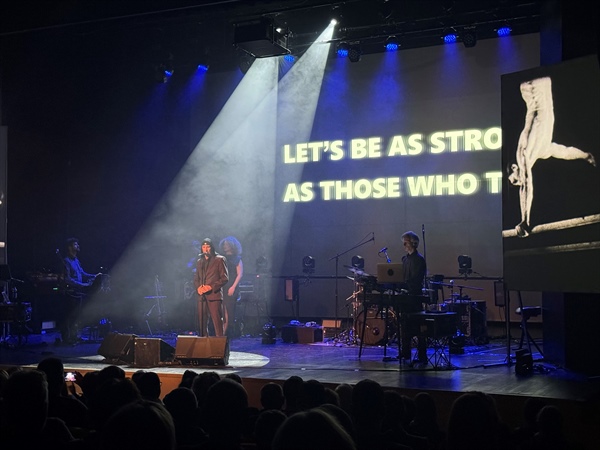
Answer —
210 277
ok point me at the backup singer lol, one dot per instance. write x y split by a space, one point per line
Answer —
232 249
210 277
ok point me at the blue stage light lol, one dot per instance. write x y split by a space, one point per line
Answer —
202 68
450 38
289 58
343 49
391 44
503 31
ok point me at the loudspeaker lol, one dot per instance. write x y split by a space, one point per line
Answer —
202 351
524 363
301 335
150 352
118 347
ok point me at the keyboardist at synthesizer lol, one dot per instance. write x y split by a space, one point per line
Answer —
406 289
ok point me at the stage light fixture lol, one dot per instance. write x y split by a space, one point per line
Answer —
392 44
163 72
354 53
469 37
449 36
503 31
261 38
342 49
289 58
464 265
358 262
308 264
202 68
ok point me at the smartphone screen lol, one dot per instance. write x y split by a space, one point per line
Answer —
69 376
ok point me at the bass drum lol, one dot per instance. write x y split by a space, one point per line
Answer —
375 326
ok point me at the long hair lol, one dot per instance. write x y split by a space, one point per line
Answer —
234 243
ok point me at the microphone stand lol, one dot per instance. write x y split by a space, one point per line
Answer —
337 260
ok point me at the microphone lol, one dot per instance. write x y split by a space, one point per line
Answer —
383 250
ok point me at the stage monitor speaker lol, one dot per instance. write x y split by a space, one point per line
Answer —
202 351
150 352
118 347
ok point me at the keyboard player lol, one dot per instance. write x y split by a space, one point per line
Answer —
415 268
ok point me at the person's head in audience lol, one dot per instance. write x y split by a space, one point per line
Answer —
266 425
312 429
394 410
149 385
471 424
313 394
292 391
341 417
187 378
271 396
111 396
202 384
234 377
141 424
25 403
368 404
332 397
110 372
225 412
344 392
182 404
55 374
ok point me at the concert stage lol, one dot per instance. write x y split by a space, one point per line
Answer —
480 368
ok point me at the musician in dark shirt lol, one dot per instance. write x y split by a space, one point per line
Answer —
77 285
413 264
414 267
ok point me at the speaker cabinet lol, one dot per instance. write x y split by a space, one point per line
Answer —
202 351
150 352
118 347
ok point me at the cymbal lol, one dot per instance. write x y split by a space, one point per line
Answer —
439 283
357 271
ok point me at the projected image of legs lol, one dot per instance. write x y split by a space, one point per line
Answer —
535 142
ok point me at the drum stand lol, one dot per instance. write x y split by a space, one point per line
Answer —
349 336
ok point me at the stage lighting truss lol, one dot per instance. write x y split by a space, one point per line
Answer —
308 264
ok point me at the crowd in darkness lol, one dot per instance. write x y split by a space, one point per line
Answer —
209 411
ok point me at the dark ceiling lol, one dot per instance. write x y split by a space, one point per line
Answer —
205 28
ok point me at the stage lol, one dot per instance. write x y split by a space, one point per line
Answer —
482 367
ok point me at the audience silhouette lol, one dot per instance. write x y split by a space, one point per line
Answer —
207 411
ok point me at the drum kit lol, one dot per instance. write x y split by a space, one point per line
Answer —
377 320
381 325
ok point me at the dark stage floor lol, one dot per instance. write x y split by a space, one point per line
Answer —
481 368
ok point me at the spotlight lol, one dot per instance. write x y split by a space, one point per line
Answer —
358 262
449 36
202 67
163 72
342 49
392 44
354 53
261 38
469 37
289 58
464 264
308 264
503 31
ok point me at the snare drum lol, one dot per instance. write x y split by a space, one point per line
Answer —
375 326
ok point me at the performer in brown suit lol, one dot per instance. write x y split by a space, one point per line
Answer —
210 277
